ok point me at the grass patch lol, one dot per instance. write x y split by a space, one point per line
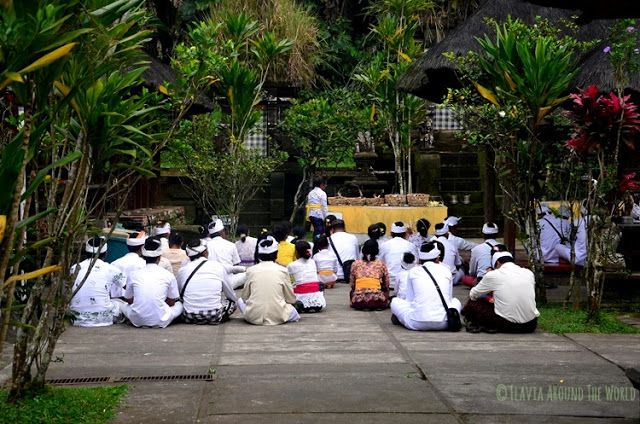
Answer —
554 319
64 405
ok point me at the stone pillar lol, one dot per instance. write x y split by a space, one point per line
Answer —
427 172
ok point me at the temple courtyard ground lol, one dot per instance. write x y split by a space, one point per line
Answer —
345 366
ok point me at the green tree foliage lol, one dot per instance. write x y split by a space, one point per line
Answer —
324 131
521 74
399 113
75 67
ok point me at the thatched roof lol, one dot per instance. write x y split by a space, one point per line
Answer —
160 73
432 74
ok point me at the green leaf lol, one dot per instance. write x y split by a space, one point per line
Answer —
71 157
34 218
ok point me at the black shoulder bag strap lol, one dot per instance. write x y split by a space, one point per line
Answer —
336 252
489 244
444 303
562 237
189 279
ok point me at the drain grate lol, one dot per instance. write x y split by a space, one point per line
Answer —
129 379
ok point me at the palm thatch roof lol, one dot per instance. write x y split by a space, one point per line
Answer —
432 73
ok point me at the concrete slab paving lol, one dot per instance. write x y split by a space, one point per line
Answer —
344 366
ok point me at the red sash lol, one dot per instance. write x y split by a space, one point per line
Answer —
305 288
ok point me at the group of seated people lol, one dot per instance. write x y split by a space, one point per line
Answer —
278 276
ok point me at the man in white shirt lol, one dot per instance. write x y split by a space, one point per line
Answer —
201 283
345 246
422 309
458 242
267 297
451 255
91 305
481 255
580 244
225 252
162 231
550 234
512 308
129 262
392 251
403 290
317 205
152 292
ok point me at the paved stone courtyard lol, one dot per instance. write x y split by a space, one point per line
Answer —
345 366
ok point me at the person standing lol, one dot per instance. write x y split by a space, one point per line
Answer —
152 292
318 207
91 305
267 297
422 309
202 284
392 251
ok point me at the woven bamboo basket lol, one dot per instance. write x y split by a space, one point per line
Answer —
418 199
374 201
395 199
355 201
336 201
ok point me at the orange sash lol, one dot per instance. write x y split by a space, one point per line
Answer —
368 283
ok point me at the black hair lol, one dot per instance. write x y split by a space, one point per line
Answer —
338 224
499 248
441 248
423 226
299 233
195 243
303 249
96 241
383 228
270 257
321 243
503 260
152 243
264 233
408 258
175 238
490 236
370 250
398 224
428 246
374 231
242 231
328 221
318 181
280 232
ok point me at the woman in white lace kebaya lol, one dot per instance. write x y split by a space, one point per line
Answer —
304 274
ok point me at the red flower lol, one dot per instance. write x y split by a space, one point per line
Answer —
580 142
627 183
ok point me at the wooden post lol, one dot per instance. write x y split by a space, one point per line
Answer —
486 160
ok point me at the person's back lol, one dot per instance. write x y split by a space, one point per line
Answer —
204 290
550 234
451 256
392 251
247 250
92 305
426 300
150 287
267 294
345 244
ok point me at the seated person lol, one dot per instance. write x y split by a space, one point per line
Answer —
326 262
513 309
550 234
152 292
224 251
299 233
369 280
175 254
129 262
92 306
267 297
422 309
304 274
202 284
481 255
246 246
286 250
391 252
422 236
403 290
